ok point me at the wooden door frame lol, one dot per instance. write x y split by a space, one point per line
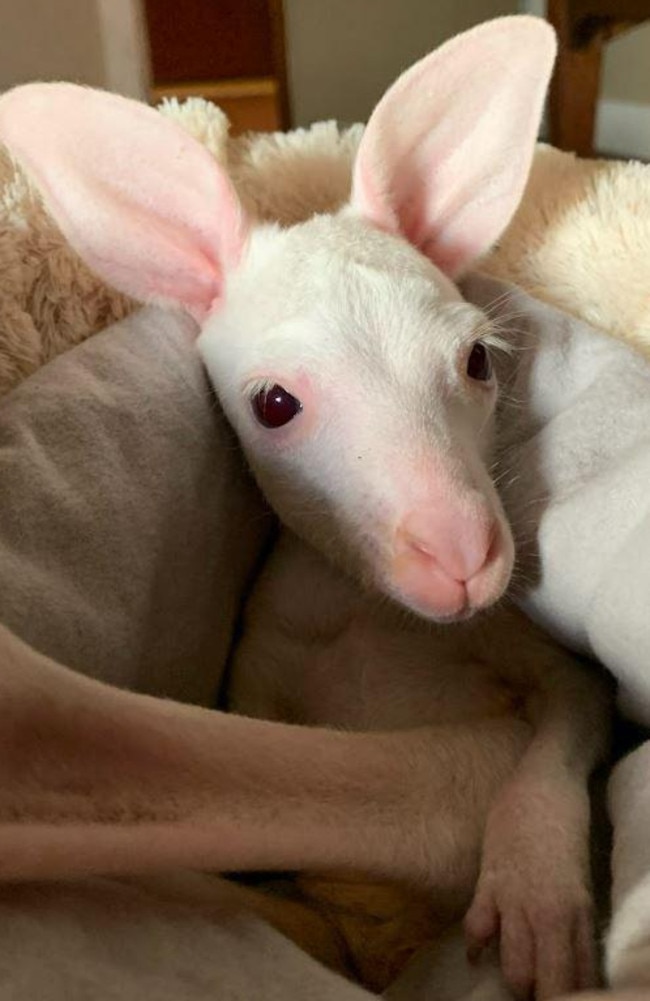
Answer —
124 46
127 68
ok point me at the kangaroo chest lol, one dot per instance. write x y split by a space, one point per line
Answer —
315 650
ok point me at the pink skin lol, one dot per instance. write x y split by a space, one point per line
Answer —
447 563
439 173
448 549
448 554
442 547
151 211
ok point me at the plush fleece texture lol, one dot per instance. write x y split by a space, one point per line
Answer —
579 241
558 247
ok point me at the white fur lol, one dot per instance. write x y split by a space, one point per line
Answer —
386 467
346 308
382 338
317 651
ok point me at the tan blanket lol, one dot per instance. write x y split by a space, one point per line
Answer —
580 240
574 212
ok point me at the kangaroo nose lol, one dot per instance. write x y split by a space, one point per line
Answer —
451 558
459 546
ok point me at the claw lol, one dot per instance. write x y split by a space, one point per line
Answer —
481 925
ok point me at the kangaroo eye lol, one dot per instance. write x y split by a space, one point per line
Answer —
479 363
274 407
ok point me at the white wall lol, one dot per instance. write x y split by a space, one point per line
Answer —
50 40
626 75
96 42
342 54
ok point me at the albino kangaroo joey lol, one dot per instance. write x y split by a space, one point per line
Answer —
362 389
316 650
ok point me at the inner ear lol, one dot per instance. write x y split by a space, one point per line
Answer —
447 151
142 202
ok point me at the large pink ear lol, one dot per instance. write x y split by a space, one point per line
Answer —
142 202
446 153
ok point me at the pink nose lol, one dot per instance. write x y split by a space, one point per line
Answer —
449 561
459 546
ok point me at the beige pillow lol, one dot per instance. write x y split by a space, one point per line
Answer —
128 526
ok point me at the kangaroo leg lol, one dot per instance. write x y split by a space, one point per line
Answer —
95 779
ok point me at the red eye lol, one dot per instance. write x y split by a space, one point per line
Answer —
479 363
274 407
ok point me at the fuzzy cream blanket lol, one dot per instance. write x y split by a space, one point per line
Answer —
580 239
